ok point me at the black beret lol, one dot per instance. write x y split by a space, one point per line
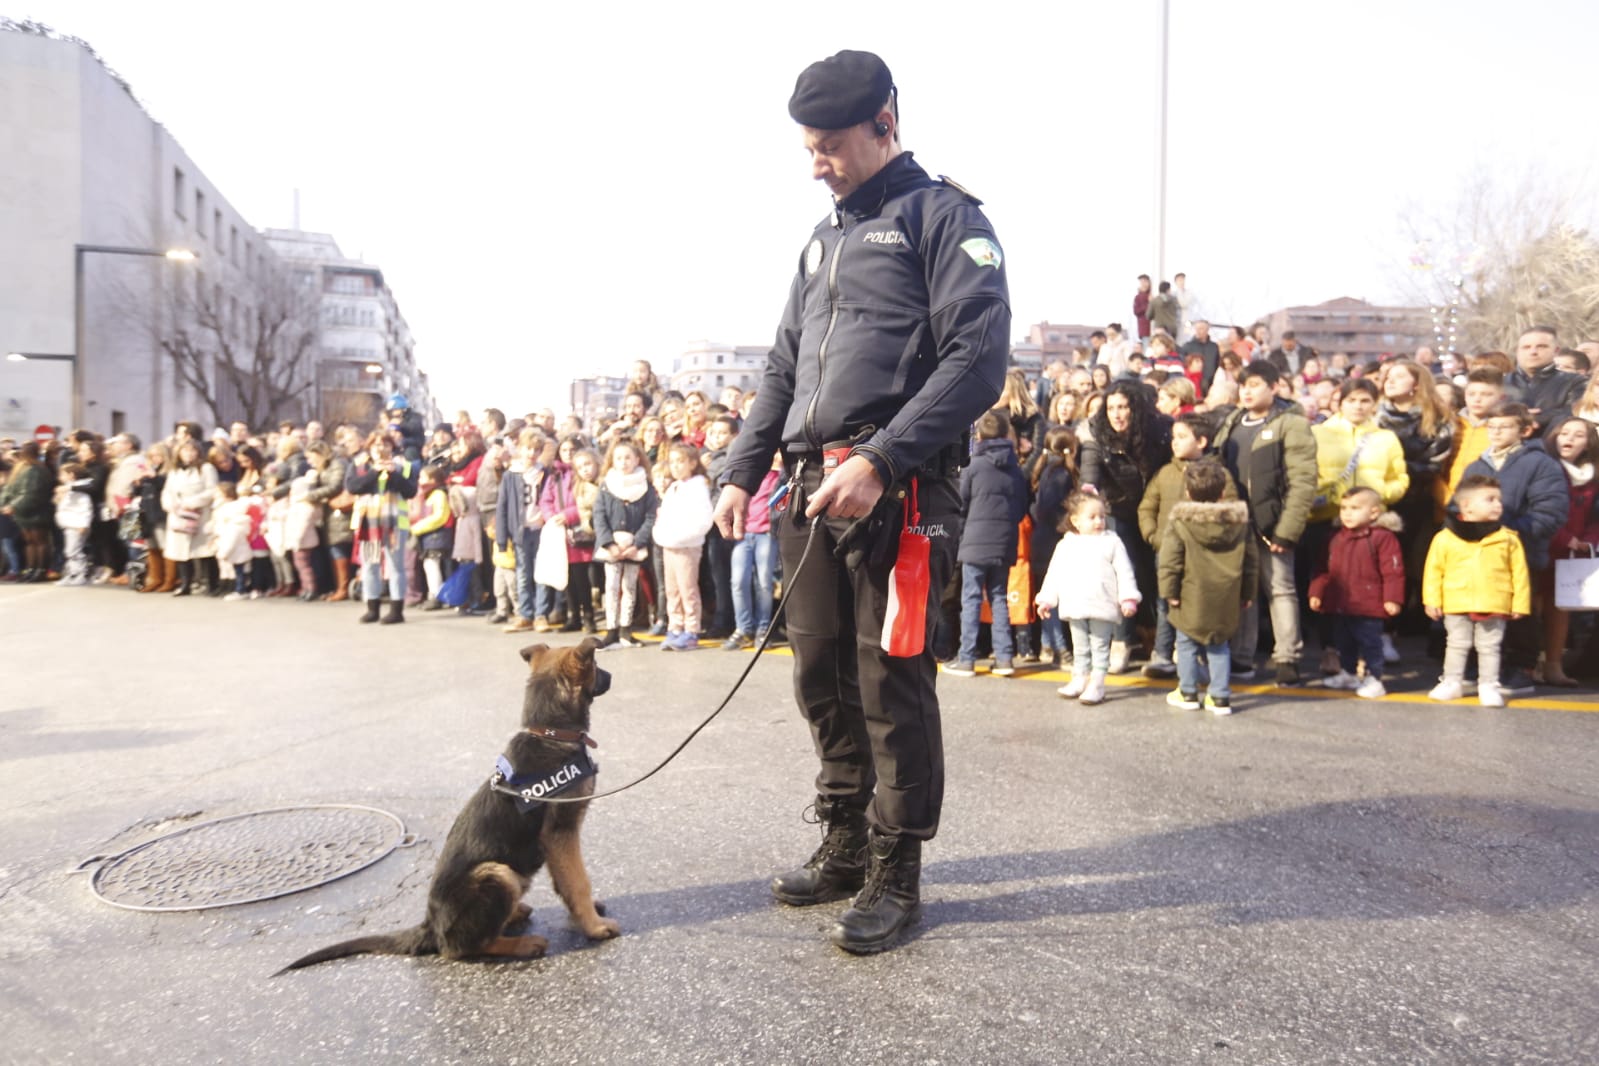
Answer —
840 91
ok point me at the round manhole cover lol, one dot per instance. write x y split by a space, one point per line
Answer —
248 857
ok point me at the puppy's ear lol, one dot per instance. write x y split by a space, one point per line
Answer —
587 649
533 652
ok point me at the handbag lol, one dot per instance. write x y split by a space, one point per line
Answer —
184 521
1019 582
905 618
1577 583
344 501
549 564
457 588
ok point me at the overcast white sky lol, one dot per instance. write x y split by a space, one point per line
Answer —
555 190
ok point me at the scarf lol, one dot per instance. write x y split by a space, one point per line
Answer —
627 487
1579 475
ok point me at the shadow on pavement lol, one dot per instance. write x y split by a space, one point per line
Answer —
1400 857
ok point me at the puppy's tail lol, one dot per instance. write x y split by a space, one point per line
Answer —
417 941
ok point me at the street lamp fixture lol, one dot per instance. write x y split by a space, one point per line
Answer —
176 255
23 357
374 369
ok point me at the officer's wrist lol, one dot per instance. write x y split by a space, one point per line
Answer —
879 464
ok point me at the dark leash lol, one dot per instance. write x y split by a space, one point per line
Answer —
789 582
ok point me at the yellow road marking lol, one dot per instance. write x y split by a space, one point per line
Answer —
1058 677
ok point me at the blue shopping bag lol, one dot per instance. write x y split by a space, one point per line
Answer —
458 586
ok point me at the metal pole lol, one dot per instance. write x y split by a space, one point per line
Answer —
77 335
1160 194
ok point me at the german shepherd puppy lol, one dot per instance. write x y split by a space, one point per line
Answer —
494 849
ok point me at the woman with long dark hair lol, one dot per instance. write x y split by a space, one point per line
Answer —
1130 442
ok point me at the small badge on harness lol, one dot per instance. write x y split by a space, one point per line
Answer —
529 790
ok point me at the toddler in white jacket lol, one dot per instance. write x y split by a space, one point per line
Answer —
1090 584
681 523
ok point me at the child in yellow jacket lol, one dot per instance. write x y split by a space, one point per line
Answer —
1475 580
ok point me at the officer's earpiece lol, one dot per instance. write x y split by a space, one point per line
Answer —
882 129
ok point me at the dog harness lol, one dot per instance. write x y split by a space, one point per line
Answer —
528 789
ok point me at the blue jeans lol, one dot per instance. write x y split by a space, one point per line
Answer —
527 549
1165 635
980 583
374 561
752 579
1358 638
1054 634
1220 658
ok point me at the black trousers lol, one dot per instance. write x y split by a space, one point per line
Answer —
874 718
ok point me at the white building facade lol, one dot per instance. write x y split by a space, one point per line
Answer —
83 164
365 352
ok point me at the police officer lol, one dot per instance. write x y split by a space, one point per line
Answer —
895 338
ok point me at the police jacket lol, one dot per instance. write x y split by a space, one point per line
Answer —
898 322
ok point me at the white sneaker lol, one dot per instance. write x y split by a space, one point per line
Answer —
234 597
1390 654
1447 689
1490 696
1095 692
1120 656
1073 688
1371 689
1342 679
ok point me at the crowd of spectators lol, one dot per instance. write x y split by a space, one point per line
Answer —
1319 455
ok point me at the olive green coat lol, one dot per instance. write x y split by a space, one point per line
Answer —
1207 564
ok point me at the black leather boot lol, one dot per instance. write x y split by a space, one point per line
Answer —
395 613
838 868
889 903
371 611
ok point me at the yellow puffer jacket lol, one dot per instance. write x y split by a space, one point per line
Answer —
1488 576
1381 465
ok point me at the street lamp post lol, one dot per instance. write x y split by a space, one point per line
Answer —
177 255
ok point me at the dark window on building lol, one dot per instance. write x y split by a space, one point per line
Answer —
199 212
180 192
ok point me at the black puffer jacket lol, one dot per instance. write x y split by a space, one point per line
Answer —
898 320
994 499
1119 468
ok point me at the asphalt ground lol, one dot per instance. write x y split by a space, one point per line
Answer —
1314 879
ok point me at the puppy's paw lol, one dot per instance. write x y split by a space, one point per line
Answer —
604 929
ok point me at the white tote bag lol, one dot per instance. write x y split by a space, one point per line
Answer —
549 565
1577 584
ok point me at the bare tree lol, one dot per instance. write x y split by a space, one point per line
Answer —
250 355
1505 255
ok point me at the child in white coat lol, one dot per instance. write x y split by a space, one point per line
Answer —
1091 585
681 523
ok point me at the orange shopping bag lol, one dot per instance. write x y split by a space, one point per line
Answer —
1019 583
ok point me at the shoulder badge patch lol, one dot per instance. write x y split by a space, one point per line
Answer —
958 187
984 252
813 256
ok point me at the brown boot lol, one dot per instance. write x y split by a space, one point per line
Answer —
341 581
169 577
155 570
